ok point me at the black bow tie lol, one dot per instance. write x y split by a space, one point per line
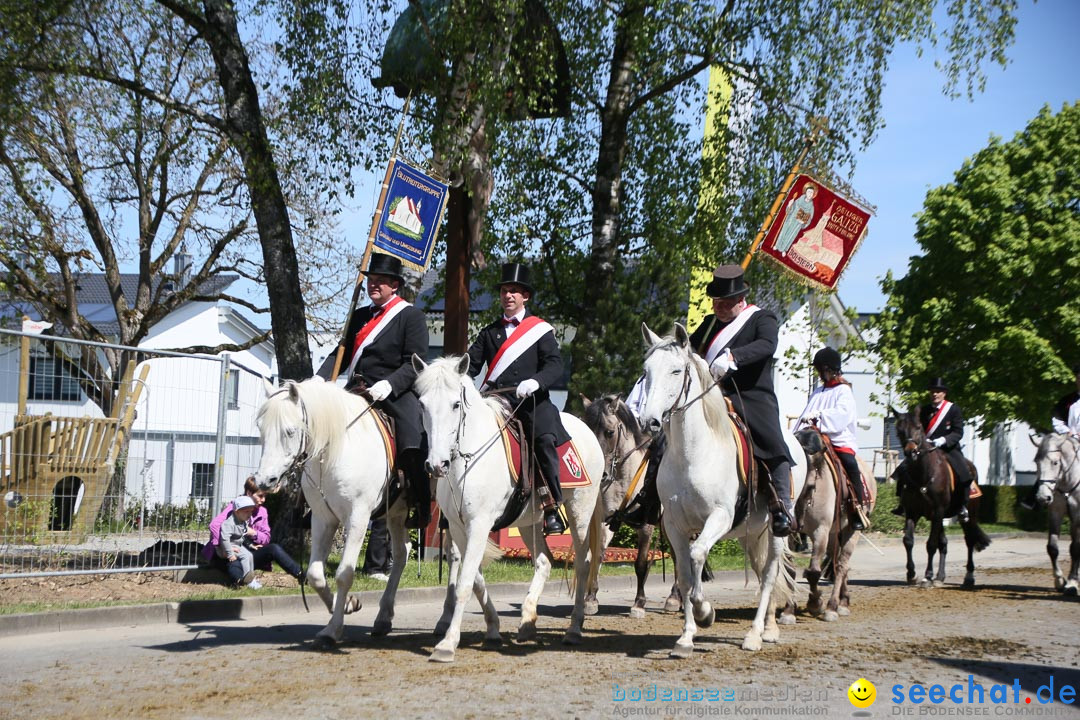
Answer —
511 321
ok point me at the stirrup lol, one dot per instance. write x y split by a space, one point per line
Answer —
781 524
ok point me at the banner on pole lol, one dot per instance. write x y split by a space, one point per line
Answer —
409 221
815 233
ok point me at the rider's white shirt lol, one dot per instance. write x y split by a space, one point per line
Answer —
636 399
836 406
1073 425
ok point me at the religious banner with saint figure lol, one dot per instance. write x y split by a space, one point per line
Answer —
815 233
409 222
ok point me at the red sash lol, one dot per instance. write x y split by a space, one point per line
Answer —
938 417
520 341
373 323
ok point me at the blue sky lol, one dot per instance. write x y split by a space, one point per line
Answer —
928 136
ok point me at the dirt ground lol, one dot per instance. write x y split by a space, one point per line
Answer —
1012 627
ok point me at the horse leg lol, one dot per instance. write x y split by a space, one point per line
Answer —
674 601
787 615
322 535
579 536
820 539
932 541
343 578
1056 515
453 565
384 621
592 605
533 537
909 547
475 537
767 574
492 638
1072 586
680 548
641 569
840 571
943 548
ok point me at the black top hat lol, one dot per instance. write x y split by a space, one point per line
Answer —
826 357
517 274
727 282
938 384
383 264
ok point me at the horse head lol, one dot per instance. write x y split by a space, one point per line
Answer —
670 373
910 431
1057 463
811 441
446 392
282 423
615 428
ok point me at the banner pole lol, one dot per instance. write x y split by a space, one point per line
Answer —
818 126
371 239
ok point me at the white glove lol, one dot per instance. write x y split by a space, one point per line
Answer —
526 388
380 390
811 418
722 365
938 442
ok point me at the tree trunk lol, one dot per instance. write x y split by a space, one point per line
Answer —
248 133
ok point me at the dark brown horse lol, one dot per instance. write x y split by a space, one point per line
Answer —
929 493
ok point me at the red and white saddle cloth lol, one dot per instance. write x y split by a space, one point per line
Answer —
572 472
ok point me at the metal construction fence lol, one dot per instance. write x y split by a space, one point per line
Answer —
113 458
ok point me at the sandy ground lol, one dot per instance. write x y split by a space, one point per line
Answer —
1013 628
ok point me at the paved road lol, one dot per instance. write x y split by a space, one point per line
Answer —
263 667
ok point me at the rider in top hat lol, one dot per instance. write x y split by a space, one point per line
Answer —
521 352
738 341
943 423
831 407
379 344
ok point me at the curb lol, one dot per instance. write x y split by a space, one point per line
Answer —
247 608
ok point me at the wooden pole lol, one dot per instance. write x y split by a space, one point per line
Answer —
24 372
371 240
456 315
818 126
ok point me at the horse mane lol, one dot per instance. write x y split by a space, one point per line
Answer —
329 409
622 413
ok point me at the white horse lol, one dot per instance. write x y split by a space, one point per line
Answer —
328 433
1058 463
474 484
699 487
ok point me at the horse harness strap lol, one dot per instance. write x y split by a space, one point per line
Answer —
630 491
523 488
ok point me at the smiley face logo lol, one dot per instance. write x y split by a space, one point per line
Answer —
862 693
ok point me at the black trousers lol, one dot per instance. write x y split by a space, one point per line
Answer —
851 467
377 556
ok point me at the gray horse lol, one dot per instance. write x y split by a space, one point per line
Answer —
1058 463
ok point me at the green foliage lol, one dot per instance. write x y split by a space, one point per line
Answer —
167 516
993 302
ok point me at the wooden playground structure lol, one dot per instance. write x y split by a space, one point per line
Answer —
61 466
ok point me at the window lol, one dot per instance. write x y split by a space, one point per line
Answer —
202 480
232 389
890 440
50 380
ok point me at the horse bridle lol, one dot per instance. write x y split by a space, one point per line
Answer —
301 457
1064 472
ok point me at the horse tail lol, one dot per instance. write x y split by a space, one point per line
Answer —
595 541
784 590
975 537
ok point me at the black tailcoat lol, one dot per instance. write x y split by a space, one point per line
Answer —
541 362
951 428
389 357
750 388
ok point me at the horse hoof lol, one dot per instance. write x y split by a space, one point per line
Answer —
324 642
381 628
352 604
786 619
493 642
969 582
571 638
843 611
752 642
704 615
911 580
682 650
1059 584
926 582
591 607
440 630
938 583
771 635
441 655
830 616
1070 590
526 633
672 604
637 613
814 608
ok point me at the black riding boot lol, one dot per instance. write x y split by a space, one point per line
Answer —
411 462
782 514
900 475
644 509
547 461
851 467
